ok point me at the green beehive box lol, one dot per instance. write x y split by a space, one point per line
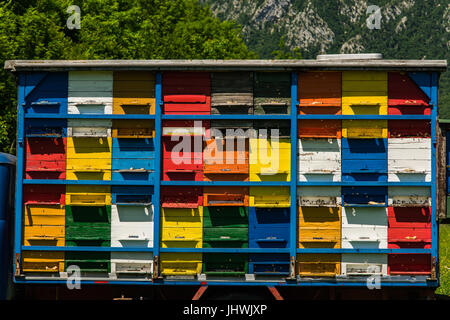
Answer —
228 217
89 261
88 223
272 94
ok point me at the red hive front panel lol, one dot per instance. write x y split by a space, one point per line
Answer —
181 197
44 195
187 93
409 227
45 158
405 96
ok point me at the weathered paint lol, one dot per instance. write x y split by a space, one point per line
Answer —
364 196
184 164
320 129
185 127
319 159
270 197
364 228
40 261
364 159
88 223
365 129
97 262
320 92
271 92
186 92
44 195
409 159
268 228
45 158
134 92
89 128
318 265
361 264
90 92
225 196
89 158
232 93
133 129
409 197
46 92
319 196
364 92
45 127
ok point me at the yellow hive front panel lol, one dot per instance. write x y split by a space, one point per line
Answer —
364 92
44 215
269 197
173 264
38 235
319 227
185 236
318 265
37 261
182 217
270 164
365 129
88 195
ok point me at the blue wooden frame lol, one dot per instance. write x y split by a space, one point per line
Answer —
292 250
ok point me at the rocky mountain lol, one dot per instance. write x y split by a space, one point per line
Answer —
408 29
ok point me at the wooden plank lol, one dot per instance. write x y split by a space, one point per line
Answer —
318 265
319 196
409 196
365 129
181 263
39 261
441 198
364 264
131 262
268 197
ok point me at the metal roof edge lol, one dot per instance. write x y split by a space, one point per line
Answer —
345 64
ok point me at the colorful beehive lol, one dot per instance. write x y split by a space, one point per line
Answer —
89 128
364 228
225 196
186 93
269 228
319 159
185 128
226 155
89 158
134 92
409 197
133 159
46 92
271 92
270 197
132 226
364 159
46 128
45 158
409 227
409 129
182 214
134 129
90 92
365 129
409 159
88 223
270 152
225 227
364 196
405 95
44 225
232 92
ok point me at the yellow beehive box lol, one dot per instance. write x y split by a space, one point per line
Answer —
270 161
318 265
38 235
182 217
319 227
365 129
134 92
46 215
88 195
37 261
185 264
364 92
270 197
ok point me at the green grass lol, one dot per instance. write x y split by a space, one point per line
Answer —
444 255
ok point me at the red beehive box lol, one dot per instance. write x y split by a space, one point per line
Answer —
181 197
44 195
187 93
409 129
45 158
182 159
405 96
225 196
409 227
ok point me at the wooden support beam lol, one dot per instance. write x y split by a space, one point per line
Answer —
200 292
275 293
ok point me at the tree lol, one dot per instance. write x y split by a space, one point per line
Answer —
110 29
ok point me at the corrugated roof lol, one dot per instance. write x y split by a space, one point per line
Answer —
287 65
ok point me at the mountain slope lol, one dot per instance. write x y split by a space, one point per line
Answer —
410 29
